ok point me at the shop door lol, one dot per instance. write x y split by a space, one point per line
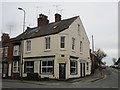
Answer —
62 69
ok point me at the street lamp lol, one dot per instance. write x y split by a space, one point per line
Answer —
22 45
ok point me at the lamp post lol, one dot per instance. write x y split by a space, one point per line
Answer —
22 45
93 55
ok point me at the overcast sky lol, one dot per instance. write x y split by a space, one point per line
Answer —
100 19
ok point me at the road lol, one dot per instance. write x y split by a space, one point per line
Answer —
109 81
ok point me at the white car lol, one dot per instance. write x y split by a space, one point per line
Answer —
103 66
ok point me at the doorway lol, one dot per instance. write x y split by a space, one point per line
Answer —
81 70
62 73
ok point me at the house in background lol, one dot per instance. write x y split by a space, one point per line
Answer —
10 56
16 58
57 50
6 52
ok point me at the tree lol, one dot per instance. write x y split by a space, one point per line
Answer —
114 60
100 55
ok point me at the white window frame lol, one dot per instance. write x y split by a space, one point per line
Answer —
81 46
15 66
47 43
73 67
28 67
62 42
6 51
73 43
16 51
47 67
28 45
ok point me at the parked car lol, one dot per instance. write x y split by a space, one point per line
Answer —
103 66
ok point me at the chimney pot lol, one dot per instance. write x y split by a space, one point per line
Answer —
42 20
5 36
57 17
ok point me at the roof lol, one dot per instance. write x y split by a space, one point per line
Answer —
49 29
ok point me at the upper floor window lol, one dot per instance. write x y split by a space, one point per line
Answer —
28 43
73 43
6 51
47 43
16 51
80 46
78 28
62 42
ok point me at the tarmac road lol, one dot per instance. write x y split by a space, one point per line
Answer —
110 80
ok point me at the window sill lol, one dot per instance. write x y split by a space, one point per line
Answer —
73 74
47 50
27 52
46 73
15 72
73 51
62 49
16 55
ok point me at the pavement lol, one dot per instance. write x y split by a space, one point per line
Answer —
92 78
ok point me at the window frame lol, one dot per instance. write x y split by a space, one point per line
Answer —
5 51
62 42
15 66
73 67
28 45
47 67
16 48
47 43
27 66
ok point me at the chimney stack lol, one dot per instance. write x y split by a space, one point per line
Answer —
5 37
57 17
42 20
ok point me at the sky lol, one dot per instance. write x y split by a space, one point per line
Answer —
99 19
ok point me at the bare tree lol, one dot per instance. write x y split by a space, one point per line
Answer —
100 55
114 60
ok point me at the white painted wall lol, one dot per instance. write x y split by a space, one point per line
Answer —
38 48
